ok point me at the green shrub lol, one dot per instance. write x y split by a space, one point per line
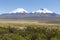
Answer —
29 33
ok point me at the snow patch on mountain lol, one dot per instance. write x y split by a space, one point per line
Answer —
45 10
19 10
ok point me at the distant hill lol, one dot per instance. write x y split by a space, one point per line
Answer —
41 14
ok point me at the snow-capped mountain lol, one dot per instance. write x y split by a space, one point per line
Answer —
43 10
24 14
19 10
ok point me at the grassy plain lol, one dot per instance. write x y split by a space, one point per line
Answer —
21 24
26 23
29 30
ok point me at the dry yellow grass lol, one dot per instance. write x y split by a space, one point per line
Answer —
27 23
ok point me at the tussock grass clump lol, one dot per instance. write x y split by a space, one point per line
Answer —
29 33
29 30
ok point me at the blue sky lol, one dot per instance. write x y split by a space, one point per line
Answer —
30 5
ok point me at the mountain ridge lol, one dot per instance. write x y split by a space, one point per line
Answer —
22 10
22 13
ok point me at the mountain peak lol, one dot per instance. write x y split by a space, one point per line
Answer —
19 10
43 10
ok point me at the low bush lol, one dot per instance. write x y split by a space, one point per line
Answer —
29 33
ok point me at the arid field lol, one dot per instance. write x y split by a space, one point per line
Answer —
29 30
26 23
